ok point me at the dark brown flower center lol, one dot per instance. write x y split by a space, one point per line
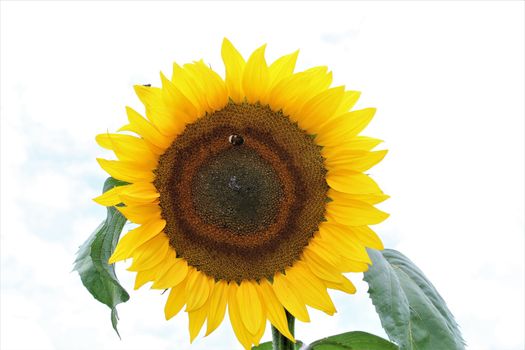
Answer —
242 191
237 190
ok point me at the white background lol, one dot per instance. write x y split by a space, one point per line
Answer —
447 79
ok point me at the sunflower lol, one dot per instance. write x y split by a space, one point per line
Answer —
248 192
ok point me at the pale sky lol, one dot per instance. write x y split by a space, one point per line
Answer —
447 79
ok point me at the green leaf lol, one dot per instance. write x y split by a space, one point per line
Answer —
268 345
352 341
98 277
263 346
411 310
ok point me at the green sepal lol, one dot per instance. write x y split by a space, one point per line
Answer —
96 274
410 308
352 341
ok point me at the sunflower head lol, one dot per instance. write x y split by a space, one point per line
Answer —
248 192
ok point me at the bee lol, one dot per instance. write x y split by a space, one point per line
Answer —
236 140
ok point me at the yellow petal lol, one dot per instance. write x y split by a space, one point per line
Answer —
150 253
319 109
140 192
217 309
337 155
176 300
358 161
136 237
129 148
324 250
173 272
216 93
320 267
126 171
344 198
319 80
196 320
256 338
344 126
333 252
282 68
363 143
111 197
370 198
274 309
145 276
179 104
256 77
366 236
142 213
347 181
313 292
350 265
234 64
197 289
291 93
148 131
349 100
290 297
191 87
238 327
354 213
160 114
344 285
250 306
343 242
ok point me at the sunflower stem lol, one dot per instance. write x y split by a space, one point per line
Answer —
279 341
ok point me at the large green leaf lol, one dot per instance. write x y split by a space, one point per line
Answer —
411 310
96 274
352 341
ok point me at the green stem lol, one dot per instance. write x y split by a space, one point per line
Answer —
279 341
